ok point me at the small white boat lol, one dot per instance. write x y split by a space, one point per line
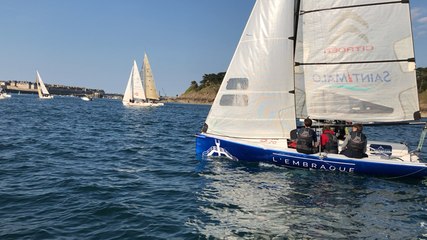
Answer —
86 98
3 94
41 88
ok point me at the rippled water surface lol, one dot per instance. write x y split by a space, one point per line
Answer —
71 169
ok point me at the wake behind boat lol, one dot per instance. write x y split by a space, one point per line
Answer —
306 58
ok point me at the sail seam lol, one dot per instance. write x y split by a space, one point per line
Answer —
352 6
358 62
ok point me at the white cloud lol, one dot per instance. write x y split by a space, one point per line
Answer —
422 20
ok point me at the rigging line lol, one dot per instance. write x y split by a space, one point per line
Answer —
353 6
358 62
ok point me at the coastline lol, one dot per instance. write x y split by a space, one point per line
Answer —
187 101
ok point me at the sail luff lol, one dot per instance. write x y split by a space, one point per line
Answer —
148 79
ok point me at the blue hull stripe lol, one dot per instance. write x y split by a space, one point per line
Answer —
209 146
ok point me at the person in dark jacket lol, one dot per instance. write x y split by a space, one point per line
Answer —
355 143
307 138
328 140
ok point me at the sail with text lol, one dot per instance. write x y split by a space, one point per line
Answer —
355 61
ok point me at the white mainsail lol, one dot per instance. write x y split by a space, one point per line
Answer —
254 100
41 88
134 91
356 61
148 79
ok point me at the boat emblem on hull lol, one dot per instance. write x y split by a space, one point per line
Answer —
217 151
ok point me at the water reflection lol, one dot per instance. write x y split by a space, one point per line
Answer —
264 201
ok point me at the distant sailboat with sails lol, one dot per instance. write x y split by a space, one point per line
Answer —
41 88
134 94
348 60
138 95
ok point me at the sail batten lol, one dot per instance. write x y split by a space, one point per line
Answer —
354 6
358 62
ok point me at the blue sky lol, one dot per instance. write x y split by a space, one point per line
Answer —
92 43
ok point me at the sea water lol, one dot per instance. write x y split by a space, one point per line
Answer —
71 169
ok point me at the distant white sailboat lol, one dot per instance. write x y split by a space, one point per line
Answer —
41 88
149 84
3 94
86 98
134 93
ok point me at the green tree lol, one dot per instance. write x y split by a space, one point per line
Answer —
212 79
422 79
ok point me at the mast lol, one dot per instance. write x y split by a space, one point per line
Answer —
294 38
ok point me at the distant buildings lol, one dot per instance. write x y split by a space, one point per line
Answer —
13 86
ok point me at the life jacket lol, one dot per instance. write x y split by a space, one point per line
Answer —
357 142
331 145
305 141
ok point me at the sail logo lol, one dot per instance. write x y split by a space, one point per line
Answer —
218 151
349 26
349 49
347 77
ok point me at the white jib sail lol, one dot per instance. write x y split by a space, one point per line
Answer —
134 90
41 86
357 61
254 100
148 79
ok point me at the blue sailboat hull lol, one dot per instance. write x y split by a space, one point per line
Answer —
209 145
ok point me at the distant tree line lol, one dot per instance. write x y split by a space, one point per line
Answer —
211 79
422 79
